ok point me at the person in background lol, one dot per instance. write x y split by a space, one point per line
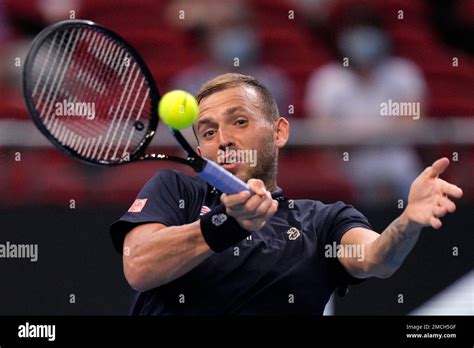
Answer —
231 44
347 97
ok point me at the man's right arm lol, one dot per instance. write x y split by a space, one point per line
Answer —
155 254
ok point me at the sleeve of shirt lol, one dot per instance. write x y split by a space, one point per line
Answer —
157 202
344 217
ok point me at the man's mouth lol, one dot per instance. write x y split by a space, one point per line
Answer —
228 166
226 163
230 158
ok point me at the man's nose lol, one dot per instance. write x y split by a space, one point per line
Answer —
225 138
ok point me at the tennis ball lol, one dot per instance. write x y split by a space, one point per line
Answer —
178 109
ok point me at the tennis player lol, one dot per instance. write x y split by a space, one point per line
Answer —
190 250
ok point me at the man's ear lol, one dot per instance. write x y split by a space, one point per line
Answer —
282 131
198 150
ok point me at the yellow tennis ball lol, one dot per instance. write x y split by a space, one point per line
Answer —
178 109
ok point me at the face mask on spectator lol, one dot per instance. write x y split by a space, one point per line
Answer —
234 43
363 45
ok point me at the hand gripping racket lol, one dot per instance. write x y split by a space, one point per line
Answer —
89 92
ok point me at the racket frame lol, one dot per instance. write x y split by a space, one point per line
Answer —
139 153
206 169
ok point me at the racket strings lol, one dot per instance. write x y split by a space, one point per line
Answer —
83 65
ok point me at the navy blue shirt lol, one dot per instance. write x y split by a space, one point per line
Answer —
281 270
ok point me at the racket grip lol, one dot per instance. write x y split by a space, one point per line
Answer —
221 179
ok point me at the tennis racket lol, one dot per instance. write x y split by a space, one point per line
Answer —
90 93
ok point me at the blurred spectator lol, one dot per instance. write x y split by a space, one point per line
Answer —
316 16
231 44
5 30
20 21
347 99
13 49
57 10
5 35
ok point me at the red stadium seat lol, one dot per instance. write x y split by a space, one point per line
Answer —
447 106
12 105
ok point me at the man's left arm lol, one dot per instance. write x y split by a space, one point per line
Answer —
429 200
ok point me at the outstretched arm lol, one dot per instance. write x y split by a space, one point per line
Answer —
428 201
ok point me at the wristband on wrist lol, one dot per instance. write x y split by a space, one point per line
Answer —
221 231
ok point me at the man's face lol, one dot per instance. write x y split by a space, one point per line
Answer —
232 127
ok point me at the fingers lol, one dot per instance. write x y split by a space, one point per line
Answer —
438 167
256 206
245 206
446 203
435 223
235 199
451 190
272 209
444 206
439 211
257 186
265 215
255 203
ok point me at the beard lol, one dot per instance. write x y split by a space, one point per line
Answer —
266 166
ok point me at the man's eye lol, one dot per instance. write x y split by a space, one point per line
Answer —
209 133
241 122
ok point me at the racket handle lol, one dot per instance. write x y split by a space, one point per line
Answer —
221 179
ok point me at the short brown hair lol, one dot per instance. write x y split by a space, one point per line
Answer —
230 80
